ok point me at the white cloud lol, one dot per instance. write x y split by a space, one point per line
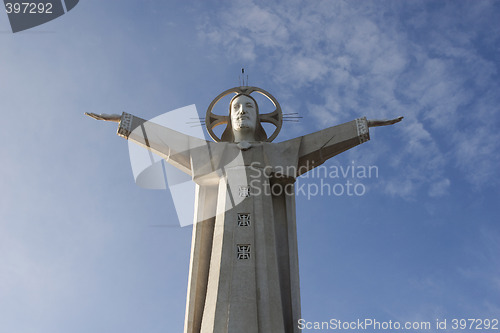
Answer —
404 188
439 188
476 152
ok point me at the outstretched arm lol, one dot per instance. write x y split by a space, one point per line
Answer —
173 146
316 148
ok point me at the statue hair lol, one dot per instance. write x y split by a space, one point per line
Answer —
260 133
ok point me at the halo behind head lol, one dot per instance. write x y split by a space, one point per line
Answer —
275 117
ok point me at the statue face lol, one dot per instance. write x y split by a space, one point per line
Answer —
243 114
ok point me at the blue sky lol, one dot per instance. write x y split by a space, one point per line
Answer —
83 249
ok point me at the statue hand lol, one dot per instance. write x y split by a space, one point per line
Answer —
106 117
376 122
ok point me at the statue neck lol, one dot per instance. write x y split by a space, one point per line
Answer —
244 135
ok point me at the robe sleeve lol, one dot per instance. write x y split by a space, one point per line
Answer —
316 148
173 146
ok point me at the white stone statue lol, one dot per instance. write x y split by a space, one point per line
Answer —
244 272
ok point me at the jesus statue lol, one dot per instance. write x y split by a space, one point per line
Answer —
244 271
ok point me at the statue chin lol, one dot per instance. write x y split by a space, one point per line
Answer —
243 133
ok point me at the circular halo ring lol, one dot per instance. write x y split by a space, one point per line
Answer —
276 117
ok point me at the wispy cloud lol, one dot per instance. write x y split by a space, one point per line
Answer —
484 259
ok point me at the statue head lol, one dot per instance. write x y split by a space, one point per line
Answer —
244 123
243 113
